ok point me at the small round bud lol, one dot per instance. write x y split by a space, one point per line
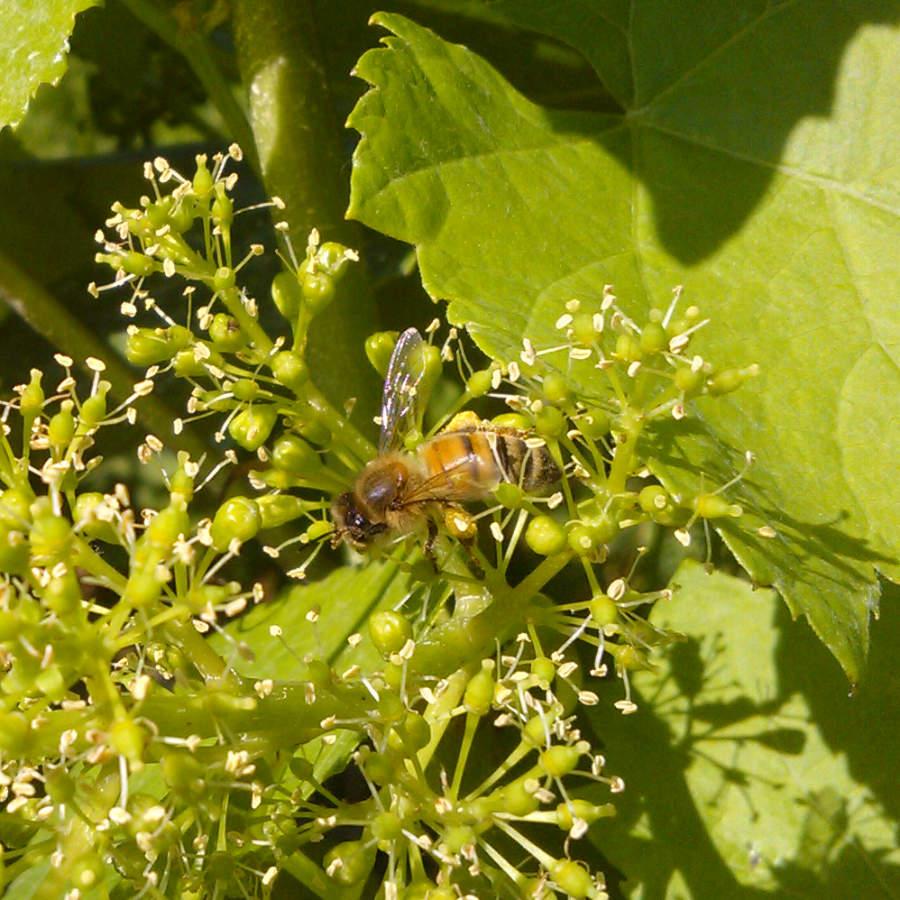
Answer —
516 800
654 338
513 421
252 426
628 348
237 518
226 334
61 428
479 693
545 536
583 538
687 380
559 760
290 369
603 610
550 423
582 328
509 495
350 862
379 348
572 878
224 279
293 455
479 383
712 506
318 290
390 630
278 509
146 346
128 739
556 389
287 295
543 669
245 389
386 826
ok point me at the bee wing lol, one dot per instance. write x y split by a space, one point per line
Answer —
453 484
401 405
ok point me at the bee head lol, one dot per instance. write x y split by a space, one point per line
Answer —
352 524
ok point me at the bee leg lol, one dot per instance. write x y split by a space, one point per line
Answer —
429 545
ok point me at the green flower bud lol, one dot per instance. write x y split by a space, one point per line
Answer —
15 508
654 338
556 389
277 509
545 536
290 369
559 760
32 400
687 380
62 595
572 878
61 428
142 590
582 328
509 495
224 279
293 455
390 630
350 862
515 800
135 263
245 389
166 527
415 731
543 669
512 420
628 348
713 506
566 813
386 826
584 538
550 423
729 380
332 257
51 683
536 728
593 423
203 180
93 410
226 334
603 610
479 383
479 693
147 346
318 290
379 347
458 836
15 554
237 518
287 295
51 538
252 426
222 208
318 530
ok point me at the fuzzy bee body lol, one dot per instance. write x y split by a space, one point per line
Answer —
475 460
398 492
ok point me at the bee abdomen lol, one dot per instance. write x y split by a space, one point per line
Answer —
532 468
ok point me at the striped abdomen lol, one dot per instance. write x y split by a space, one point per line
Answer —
468 465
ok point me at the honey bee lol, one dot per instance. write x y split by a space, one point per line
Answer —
398 492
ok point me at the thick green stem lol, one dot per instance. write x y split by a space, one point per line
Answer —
300 145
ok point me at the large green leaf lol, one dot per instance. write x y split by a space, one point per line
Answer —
748 771
755 170
34 40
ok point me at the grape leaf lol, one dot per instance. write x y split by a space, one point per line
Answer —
34 41
744 752
755 171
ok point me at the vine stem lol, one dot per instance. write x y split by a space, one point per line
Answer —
194 47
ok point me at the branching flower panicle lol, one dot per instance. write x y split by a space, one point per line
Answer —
133 744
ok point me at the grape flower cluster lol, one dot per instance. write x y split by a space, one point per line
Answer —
135 756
